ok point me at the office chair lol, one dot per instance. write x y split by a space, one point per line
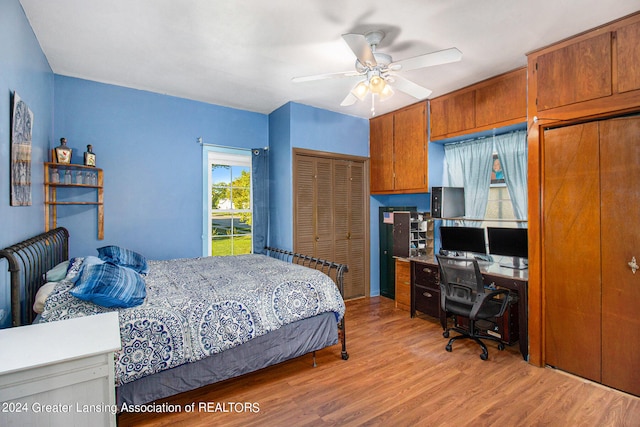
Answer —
462 293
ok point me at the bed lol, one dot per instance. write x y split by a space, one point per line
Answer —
196 325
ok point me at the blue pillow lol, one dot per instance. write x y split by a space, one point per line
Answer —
110 285
124 258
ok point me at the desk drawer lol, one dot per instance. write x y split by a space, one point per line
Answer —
426 275
427 300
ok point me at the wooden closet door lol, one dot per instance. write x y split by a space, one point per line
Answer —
314 206
350 224
620 205
571 246
358 229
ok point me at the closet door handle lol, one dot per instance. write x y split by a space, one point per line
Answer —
634 266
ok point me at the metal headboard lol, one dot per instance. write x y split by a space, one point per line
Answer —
28 262
332 269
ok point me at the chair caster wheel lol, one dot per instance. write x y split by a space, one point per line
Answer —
448 348
445 334
500 346
484 356
345 355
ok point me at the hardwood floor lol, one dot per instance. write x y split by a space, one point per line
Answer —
399 374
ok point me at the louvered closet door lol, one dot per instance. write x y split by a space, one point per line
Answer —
314 206
571 242
358 231
349 224
331 208
620 207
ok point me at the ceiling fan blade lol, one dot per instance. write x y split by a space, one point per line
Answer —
427 60
410 88
325 76
350 99
361 48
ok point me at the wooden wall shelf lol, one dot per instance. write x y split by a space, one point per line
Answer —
51 187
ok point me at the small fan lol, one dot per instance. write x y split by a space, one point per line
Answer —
379 70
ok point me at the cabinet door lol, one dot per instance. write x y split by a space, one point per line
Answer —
410 148
620 204
628 49
578 72
381 153
452 113
403 285
502 100
571 242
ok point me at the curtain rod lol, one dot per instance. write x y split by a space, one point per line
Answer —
200 141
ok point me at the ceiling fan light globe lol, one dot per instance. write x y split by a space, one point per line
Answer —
360 90
386 93
377 84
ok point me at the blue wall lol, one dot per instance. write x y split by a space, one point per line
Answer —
300 126
25 70
421 201
147 145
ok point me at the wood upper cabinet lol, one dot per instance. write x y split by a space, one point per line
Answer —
381 153
577 72
502 99
453 113
398 151
628 57
496 102
593 73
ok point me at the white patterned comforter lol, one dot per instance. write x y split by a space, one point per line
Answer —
196 307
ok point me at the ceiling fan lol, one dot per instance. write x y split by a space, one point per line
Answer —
380 72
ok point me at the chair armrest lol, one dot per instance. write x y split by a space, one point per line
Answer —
490 296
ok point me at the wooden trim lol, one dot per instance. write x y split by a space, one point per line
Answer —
327 155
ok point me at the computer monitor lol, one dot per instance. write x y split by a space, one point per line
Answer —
463 239
512 242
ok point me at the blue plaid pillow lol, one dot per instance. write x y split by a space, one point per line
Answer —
124 257
110 285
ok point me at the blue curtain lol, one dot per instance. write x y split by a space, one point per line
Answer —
512 151
469 166
260 192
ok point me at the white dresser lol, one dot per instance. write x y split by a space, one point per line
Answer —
59 373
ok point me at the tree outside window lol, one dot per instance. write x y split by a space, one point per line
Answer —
231 215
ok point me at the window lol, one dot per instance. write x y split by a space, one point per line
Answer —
229 203
499 206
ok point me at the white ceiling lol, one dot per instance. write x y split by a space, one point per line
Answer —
243 53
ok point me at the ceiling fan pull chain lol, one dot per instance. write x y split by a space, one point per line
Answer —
373 104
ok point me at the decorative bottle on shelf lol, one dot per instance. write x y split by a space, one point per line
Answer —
78 177
55 177
63 153
67 177
89 156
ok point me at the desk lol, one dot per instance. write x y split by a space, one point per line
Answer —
425 291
